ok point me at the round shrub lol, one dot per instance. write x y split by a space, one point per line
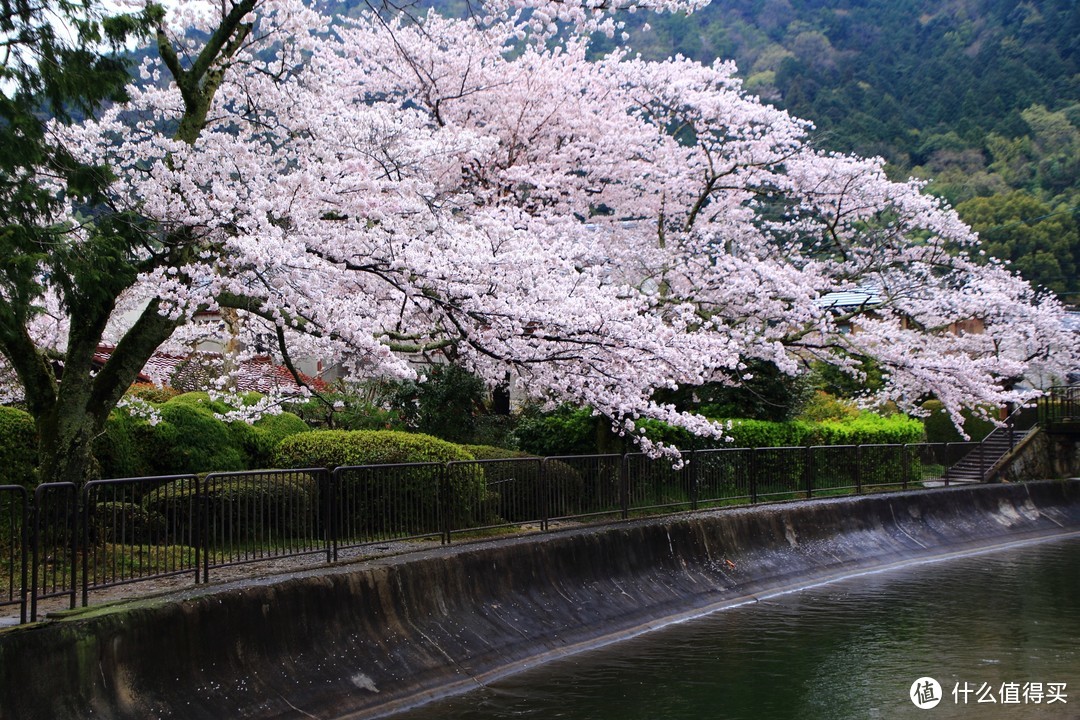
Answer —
490 452
189 439
123 449
199 398
127 523
18 447
403 501
270 430
565 485
241 507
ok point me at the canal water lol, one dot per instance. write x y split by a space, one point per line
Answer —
1001 626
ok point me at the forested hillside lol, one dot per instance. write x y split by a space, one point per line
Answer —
981 96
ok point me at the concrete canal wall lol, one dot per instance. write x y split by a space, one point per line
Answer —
363 639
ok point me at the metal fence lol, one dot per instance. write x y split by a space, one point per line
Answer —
63 540
1061 406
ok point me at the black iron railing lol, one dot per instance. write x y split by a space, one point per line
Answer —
115 532
1059 409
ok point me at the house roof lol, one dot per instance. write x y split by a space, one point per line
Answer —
258 374
859 297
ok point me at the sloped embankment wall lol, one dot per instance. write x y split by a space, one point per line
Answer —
366 638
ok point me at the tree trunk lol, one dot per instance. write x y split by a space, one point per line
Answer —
65 448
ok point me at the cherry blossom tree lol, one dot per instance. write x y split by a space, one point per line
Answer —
603 229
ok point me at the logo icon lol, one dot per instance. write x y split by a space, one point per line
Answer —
925 693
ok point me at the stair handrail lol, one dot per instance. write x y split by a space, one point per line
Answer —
1023 418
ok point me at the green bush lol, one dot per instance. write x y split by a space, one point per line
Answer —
335 448
152 393
867 429
270 430
127 523
242 507
18 448
123 449
444 404
199 398
940 428
564 431
822 406
565 485
405 499
189 439
763 433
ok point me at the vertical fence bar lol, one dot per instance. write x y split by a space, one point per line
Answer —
202 524
87 489
752 471
447 505
858 470
948 463
62 580
546 500
808 472
14 516
694 480
326 480
624 487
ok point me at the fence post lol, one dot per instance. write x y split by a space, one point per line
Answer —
326 513
905 464
948 457
693 480
545 495
752 469
447 503
24 537
858 469
808 472
86 505
202 527
624 485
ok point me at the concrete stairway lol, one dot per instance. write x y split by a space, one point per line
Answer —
976 465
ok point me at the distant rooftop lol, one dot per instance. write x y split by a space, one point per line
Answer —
859 297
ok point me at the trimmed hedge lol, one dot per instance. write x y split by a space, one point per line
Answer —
242 507
865 429
401 502
940 428
260 440
18 447
335 448
868 429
